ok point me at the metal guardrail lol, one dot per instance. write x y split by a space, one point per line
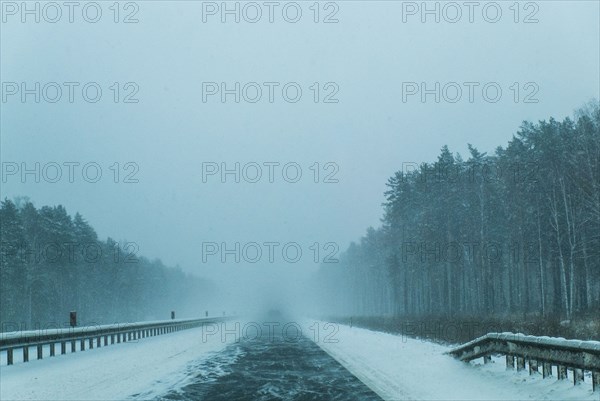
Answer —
578 356
92 335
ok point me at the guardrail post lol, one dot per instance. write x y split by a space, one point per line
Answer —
63 347
9 356
533 366
39 352
520 363
105 340
91 342
577 376
82 344
562 372
72 345
595 381
112 338
26 353
52 349
510 362
98 340
546 369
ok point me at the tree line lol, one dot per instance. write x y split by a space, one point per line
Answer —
515 233
52 263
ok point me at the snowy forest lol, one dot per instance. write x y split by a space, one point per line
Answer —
53 263
516 233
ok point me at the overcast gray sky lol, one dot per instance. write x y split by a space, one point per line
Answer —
367 58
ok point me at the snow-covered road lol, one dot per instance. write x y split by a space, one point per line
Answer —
140 369
400 368
394 367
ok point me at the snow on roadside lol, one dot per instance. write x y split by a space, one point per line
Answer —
137 369
401 368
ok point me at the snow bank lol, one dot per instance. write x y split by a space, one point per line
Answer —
400 368
139 369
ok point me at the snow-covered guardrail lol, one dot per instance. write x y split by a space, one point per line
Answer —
92 335
576 355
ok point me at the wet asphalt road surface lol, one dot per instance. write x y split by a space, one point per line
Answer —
273 368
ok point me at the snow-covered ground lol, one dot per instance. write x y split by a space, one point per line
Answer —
401 368
138 369
396 367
